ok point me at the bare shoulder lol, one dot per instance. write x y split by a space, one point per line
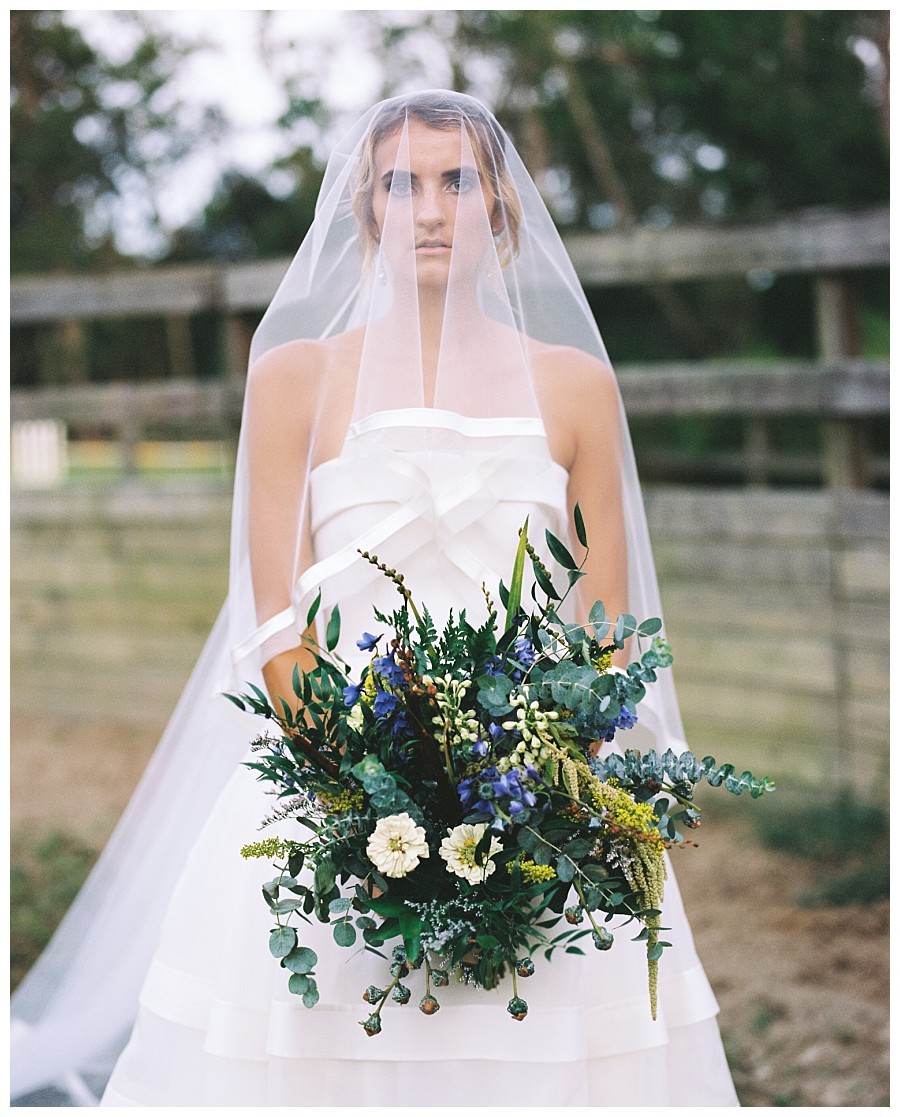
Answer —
301 364
567 369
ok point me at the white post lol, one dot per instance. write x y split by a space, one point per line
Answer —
40 456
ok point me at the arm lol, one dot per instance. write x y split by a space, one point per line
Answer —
278 430
585 433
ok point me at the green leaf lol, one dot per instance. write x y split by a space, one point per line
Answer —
233 698
518 573
649 627
333 632
282 907
313 609
311 997
654 953
282 941
299 983
544 582
340 905
565 869
559 551
578 847
579 526
301 960
296 682
325 876
344 933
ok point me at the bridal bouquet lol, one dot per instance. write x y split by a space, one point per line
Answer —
457 813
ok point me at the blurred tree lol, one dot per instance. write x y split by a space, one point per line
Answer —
89 134
658 116
246 219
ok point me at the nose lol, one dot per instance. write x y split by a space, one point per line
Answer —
431 208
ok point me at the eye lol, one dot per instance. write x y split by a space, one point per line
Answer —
465 181
399 184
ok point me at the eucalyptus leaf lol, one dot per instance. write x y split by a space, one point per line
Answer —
301 960
282 941
344 933
299 983
565 869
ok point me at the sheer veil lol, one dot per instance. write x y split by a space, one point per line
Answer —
431 315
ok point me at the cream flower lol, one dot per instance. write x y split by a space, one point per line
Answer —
397 845
458 850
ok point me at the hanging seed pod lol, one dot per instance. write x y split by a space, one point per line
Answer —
602 939
373 995
372 1026
574 915
440 978
525 967
428 1005
401 994
399 968
517 1008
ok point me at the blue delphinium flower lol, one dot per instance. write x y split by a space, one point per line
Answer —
390 670
367 642
494 666
626 719
385 704
489 791
351 694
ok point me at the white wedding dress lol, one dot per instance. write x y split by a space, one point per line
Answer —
216 1024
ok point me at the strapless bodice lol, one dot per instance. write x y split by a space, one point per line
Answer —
445 513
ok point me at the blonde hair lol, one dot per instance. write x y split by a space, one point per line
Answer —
444 112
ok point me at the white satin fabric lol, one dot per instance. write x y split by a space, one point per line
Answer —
216 1025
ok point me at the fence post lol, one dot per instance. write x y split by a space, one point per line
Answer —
845 470
838 327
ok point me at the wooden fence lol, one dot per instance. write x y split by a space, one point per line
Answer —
777 599
838 386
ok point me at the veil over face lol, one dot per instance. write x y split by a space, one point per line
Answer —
419 311
411 337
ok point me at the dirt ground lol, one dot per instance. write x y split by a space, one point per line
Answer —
803 991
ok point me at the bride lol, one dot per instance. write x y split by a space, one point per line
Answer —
428 374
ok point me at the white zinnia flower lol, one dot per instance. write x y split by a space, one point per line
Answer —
397 845
458 850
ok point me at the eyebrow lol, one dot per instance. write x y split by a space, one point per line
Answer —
446 176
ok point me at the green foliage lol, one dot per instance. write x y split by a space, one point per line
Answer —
45 876
86 131
826 829
844 835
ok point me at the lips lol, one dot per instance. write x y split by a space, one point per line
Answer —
432 244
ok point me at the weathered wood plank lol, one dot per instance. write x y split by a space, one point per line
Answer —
137 293
800 243
841 388
854 387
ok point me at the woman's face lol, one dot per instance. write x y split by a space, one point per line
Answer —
446 195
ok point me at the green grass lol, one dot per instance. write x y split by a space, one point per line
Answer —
846 835
44 878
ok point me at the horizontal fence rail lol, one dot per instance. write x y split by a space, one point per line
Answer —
817 243
836 388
